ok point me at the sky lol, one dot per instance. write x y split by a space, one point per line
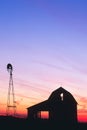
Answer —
46 43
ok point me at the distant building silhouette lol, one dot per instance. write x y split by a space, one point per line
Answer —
60 106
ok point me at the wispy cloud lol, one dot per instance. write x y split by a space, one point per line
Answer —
23 96
49 65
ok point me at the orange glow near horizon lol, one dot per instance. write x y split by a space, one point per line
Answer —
82 117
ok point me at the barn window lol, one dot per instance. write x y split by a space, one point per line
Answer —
39 114
43 114
61 95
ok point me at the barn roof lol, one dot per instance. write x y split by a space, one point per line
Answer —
57 92
40 105
54 95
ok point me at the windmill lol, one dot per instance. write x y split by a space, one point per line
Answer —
11 96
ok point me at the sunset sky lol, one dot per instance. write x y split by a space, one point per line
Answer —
46 42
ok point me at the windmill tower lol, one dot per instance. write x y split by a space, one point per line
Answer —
11 106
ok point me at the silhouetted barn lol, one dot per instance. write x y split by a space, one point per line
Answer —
60 106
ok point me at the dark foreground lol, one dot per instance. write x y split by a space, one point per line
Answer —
12 123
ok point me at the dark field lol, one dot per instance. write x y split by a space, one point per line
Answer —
19 124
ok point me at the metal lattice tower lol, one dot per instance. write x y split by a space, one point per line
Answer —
11 104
